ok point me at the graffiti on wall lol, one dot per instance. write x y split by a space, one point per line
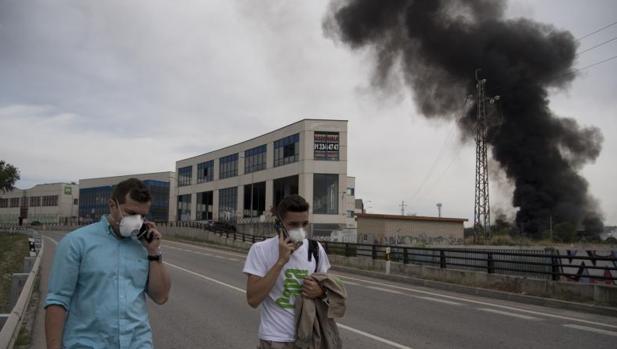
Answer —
587 271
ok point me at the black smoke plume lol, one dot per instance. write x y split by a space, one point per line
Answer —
438 44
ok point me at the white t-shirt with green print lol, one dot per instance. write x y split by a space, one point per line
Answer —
277 309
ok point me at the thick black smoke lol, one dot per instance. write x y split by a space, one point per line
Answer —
438 44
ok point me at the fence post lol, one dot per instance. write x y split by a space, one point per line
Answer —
405 256
374 248
253 237
555 267
442 259
490 263
347 251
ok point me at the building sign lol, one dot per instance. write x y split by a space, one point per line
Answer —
326 146
68 190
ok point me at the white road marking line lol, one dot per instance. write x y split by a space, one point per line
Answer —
352 283
591 329
210 249
440 300
52 240
202 253
351 329
376 338
509 314
383 289
480 302
206 278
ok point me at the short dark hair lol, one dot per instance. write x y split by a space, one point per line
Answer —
292 203
136 189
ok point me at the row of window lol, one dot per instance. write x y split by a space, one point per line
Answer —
286 151
32 201
325 198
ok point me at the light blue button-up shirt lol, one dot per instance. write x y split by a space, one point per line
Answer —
101 281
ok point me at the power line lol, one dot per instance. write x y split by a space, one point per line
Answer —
596 31
597 63
596 46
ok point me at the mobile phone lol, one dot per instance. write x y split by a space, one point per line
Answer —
280 227
145 233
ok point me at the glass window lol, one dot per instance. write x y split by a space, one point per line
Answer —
326 146
287 150
205 172
184 207
254 199
325 193
228 203
283 187
204 205
185 175
50 200
93 202
228 166
35 201
255 159
4 203
159 207
14 202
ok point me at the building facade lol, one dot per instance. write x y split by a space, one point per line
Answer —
95 194
43 203
409 230
244 181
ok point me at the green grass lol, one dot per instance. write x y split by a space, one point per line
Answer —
13 249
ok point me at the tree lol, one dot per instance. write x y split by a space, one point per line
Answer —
9 174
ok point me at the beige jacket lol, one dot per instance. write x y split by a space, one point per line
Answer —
315 325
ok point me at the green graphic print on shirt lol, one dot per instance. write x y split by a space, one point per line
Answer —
292 287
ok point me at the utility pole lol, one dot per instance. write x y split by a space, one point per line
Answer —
482 211
403 205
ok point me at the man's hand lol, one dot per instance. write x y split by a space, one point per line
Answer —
311 288
286 248
154 245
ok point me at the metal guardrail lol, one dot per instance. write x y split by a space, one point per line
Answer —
10 330
547 264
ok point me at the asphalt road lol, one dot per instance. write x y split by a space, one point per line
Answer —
207 309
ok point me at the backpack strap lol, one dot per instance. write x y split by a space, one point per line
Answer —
313 251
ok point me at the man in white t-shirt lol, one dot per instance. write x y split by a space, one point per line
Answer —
279 270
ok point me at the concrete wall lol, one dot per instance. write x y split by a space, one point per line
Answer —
409 231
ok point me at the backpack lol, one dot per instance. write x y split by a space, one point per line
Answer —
313 251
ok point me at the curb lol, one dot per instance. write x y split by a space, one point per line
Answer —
484 292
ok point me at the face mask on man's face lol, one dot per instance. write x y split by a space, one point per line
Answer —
297 234
131 224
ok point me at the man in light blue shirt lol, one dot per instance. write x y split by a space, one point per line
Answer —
101 274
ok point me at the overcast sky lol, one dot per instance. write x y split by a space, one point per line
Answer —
104 88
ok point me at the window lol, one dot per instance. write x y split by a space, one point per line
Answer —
228 203
351 191
204 205
75 201
326 146
14 202
35 201
93 202
228 166
325 193
184 207
159 207
254 199
50 200
205 172
287 150
283 187
255 159
185 175
4 203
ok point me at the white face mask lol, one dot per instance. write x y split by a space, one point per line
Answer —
130 225
297 234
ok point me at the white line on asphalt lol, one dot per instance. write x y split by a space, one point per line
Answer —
52 240
440 300
382 289
591 329
352 283
206 278
480 302
509 314
371 336
379 339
